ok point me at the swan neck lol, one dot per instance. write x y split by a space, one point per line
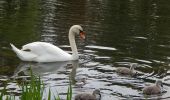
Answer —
131 68
73 44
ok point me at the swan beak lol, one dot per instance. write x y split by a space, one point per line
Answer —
82 35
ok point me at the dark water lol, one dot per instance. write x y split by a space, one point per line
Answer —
119 32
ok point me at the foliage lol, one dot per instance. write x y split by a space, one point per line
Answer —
33 90
69 92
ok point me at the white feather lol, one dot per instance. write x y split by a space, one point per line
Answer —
46 52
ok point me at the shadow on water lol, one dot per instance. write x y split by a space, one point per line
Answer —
118 33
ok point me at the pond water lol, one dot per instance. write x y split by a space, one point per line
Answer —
119 32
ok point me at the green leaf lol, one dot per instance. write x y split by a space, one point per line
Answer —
49 95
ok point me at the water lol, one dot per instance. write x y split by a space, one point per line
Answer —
118 33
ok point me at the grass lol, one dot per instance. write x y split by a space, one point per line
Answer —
34 90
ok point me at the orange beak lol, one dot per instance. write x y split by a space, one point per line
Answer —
82 35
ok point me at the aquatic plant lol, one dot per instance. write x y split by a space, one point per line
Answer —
34 90
69 92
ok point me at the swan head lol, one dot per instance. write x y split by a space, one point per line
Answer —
77 30
133 65
97 94
159 83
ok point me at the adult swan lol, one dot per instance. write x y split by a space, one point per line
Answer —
46 52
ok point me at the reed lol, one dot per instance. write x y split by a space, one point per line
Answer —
33 90
2 93
69 92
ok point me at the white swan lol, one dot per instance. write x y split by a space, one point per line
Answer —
46 52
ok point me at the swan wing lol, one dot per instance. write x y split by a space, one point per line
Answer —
43 49
23 55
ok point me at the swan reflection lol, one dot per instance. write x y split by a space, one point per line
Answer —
42 69
51 72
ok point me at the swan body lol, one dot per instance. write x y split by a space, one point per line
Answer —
127 71
46 52
86 96
153 89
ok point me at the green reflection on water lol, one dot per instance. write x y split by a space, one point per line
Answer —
19 21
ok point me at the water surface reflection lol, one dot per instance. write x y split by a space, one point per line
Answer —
118 33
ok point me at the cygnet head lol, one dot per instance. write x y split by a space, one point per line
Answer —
77 30
159 83
97 94
133 65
